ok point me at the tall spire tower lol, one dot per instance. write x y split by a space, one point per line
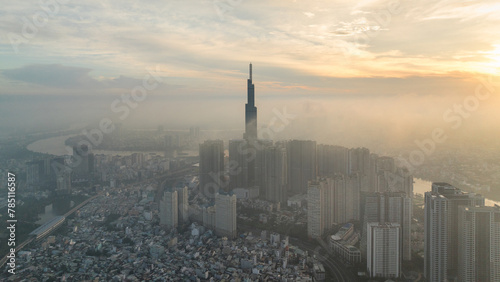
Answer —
250 111
250 127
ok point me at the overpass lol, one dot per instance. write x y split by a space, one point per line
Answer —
47 228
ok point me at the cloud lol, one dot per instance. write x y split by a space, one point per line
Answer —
55 76
315 38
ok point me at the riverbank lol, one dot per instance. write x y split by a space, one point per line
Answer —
421 186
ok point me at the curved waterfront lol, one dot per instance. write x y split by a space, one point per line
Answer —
421 186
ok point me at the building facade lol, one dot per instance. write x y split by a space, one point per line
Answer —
316 208
479 244
455 198
225 215
435 237
301 158
275 175
169 215
211 167
383 255
182 203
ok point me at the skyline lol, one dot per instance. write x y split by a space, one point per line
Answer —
130 150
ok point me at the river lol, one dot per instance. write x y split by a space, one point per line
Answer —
56 146
421 186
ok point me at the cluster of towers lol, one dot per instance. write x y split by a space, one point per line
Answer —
278 171
462 236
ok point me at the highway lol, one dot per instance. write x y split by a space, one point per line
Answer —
336 268
81 205
31 239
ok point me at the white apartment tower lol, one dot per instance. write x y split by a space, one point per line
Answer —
436 237
383 250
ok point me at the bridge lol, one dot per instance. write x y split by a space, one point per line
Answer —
48 228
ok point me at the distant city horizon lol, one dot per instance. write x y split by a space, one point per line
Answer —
227 140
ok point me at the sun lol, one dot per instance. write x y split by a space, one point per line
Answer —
494 55
491 63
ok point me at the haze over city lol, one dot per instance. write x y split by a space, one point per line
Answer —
230 140
384 71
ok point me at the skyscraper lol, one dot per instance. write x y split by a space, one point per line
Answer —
169 209
341 199
455 198
399 210
239 154
250 110
63 183
384 175
34 174
479 244
320 206
390 207
209 217
182 203
436 237
84 159
250 132
354 185
225 215
275 174
261 166
359 160
316 209
332 160
211 167
346 197
301 158
383 256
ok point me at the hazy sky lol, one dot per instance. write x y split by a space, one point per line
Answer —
361 66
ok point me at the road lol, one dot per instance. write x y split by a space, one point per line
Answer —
335 267
31 239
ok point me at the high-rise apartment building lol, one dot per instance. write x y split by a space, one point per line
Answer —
436 237
225 215
301 158
391 207
239 156
384 254
316 208
84 160
211 167
359 160
455 199
169 215
332 160
275 174
479 244
261 166
182 203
